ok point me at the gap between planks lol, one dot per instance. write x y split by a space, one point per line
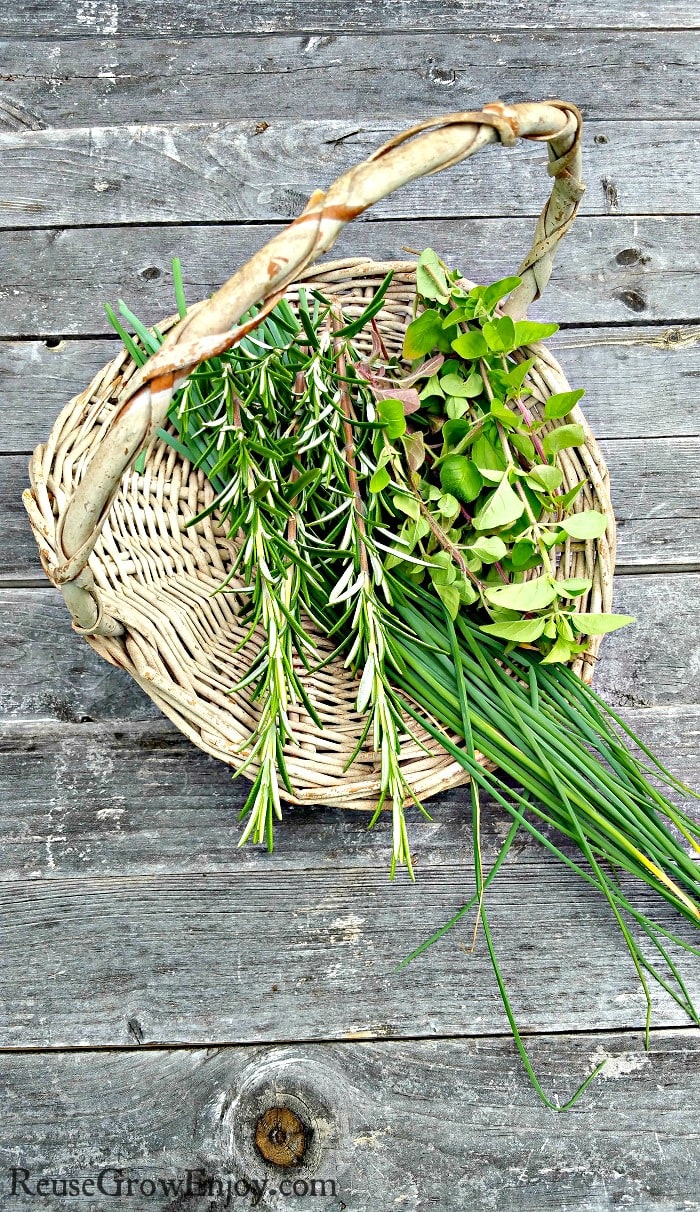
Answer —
352 1038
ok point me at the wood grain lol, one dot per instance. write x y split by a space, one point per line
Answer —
129 918
123 798
611 269
253 956
49 673
247 172
611 364
616 77
630 1142
106 18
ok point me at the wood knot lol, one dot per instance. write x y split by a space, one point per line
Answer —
281 1137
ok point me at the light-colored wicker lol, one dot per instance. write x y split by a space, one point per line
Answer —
140 585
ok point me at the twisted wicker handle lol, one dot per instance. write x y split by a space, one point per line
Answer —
210 326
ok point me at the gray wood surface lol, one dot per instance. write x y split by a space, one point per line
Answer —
160 988
623 372
482 1144
107 18
59 278
112 174
92 80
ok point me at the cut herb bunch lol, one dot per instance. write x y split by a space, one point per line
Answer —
416 518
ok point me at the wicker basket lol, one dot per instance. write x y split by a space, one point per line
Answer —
139 584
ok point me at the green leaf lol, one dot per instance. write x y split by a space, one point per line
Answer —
524 445
453 431
527 596
599 624
502 507
442 571
505 415
470 345
450 595
431 280
567 500
527 331
525 554
544 476
559 653
467 593
486 456
589 524
458 316
448 505
456 408
497 291
573 587
560 405
457 385
392 416
407 504
179 288
488 548
522 631
422 335
432 388
517 376
379 480
562 437
305 480
461 477
500 334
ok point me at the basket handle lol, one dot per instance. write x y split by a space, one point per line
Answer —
211 326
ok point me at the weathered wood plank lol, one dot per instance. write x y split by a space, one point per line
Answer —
83 81
106 18
655 487
611 364
452 1124
123 799
144 174
249 956
49 673
611 269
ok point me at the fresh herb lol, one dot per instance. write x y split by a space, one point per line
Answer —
414 516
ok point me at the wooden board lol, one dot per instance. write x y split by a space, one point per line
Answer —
243 171
48 672
655 491
615 77
611 269
107 18
158 1113
611 365
132 797
182 954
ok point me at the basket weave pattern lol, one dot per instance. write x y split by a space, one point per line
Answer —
140 585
